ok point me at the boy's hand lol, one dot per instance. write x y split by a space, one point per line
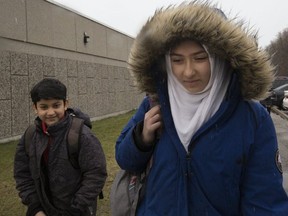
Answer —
152 122
40 213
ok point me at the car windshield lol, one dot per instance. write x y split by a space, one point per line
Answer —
282 87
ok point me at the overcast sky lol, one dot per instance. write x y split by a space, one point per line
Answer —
127 16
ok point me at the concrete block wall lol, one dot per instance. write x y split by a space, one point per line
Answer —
99 90
39 39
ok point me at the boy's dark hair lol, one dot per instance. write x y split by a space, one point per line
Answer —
48 88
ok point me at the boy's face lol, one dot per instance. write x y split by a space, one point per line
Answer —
50 111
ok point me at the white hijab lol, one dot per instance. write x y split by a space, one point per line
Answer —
191 111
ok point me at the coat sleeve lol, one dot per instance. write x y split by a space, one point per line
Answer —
92 163
262 190
24 181
128 155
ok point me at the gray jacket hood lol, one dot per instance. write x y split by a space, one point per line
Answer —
201 22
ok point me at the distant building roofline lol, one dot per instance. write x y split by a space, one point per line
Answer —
86 16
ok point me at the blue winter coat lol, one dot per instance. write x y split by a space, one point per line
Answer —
232 166
230 169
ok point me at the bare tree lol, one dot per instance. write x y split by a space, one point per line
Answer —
278 49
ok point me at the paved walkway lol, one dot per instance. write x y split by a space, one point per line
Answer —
281 125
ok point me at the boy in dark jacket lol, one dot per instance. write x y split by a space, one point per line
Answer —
46 180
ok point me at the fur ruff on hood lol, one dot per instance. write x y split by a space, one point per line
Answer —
204 23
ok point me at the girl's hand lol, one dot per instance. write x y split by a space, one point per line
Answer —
152 122
40 213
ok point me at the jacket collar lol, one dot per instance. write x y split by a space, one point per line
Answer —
54 129
229 104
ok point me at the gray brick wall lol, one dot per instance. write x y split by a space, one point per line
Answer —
40 39
99 90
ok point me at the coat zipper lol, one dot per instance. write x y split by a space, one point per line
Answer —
188 164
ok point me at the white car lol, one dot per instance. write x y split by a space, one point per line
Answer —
285 101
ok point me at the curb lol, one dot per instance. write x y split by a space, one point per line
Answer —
279 112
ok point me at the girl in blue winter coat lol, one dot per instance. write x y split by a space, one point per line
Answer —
213 146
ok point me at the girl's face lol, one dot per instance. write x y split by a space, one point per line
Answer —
50 111
190 65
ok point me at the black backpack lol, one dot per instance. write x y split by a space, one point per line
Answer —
73 136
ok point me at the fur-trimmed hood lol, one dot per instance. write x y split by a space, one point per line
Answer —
200 21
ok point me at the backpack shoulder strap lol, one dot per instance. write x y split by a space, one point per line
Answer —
73 139
28 135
